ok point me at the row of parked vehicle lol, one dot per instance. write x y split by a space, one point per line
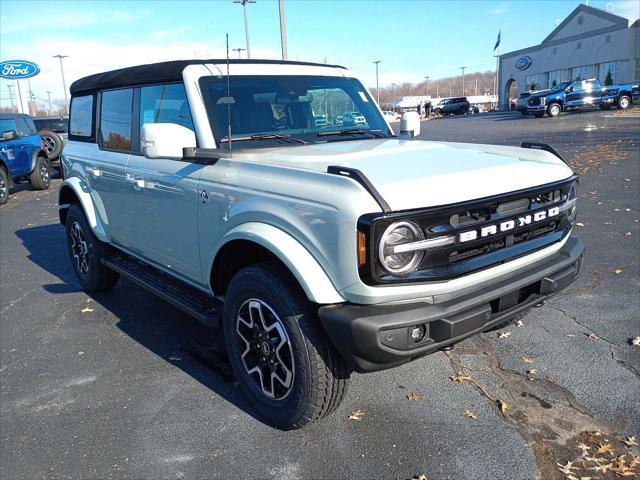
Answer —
575 95
28 149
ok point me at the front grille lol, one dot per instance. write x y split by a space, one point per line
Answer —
534 101
483 251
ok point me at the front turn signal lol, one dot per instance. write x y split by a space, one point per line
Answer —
362 249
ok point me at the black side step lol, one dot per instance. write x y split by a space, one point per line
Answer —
196 303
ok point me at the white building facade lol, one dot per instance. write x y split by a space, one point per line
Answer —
589 43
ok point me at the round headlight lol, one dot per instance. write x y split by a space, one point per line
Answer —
399 233
573 195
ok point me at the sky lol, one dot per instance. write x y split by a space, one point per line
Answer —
412 39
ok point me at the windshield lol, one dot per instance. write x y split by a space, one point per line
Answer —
561 86
279 109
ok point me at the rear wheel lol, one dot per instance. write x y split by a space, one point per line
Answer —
554 110
52 143
282 358
86 253
4 186
40 178
624 102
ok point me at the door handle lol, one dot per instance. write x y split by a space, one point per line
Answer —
137 182
95 171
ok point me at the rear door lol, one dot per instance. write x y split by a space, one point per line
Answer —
162 210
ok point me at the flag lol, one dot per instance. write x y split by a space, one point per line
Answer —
497 41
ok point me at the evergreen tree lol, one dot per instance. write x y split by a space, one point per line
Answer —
608 79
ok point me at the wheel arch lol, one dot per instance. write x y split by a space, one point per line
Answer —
5 167
73 191
255 242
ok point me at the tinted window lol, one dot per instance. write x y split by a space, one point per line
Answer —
25 128
115 119
7 124
165 104
55 124
81 116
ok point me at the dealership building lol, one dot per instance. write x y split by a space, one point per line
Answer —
589 43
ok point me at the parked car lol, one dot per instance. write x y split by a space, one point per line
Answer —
320 252
353 119
320 120
54 131
452 106
583 93
391 116
22 154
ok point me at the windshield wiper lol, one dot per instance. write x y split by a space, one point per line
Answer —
353 131
265 136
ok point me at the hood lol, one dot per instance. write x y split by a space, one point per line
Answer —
416 174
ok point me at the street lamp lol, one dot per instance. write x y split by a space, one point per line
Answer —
377 62
246 21
283 31
462 68
238 50
427 84
64 84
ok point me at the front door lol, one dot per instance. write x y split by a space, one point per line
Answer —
162 194
15 151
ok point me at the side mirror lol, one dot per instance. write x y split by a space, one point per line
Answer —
8 135
166 140
410 124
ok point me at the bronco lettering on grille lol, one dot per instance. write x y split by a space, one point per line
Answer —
494 229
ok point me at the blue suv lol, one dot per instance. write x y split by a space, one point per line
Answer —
21 154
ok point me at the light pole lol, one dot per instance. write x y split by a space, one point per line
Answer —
283 30
393 92
239 50
246 21
49 97
10 87
462 68
437 94
377 62
64 84
427 84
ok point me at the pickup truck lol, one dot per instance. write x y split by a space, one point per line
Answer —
319 250
583 93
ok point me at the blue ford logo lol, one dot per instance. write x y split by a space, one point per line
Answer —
17 69
522 63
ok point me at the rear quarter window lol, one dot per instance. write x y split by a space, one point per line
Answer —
81 118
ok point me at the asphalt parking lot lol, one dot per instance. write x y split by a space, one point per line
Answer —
122 385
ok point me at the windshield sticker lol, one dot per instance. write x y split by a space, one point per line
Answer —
363 96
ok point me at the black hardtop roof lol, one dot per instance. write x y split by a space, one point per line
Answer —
161 72
10 115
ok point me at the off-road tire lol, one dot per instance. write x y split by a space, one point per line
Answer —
53 143
320 375
96 277
40 178
4 186
554 109
623 102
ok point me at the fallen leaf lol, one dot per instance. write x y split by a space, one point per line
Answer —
551 379
584 448
616 209
570 335
532 371
503 406
461 377
605 448
627 209
579 224
617 270
630 441
357 415
592 335
627 234
504 334
627 179
608 223
567 467
419 477
470 414
87 310
520 323
636 341
602 468
413 397
527 360
593 435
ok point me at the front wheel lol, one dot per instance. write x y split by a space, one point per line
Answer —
40 178
624 102
282 358
554 110
605 106
4 186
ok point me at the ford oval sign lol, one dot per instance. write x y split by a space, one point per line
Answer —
523 63
17 69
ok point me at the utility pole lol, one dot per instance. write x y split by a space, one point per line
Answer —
239 50
20 97
476 94
10 87
437 95
462 68
393 92
427 84
49 97
246 21
64 84
283 31
377 62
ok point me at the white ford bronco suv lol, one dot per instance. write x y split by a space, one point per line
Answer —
320 248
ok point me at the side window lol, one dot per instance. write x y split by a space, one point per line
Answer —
81 117
23 128
31 126
115 119
165 104
7 124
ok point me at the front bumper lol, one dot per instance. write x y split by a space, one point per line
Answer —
375 337
536 108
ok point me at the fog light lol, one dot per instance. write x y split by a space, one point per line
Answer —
417 333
